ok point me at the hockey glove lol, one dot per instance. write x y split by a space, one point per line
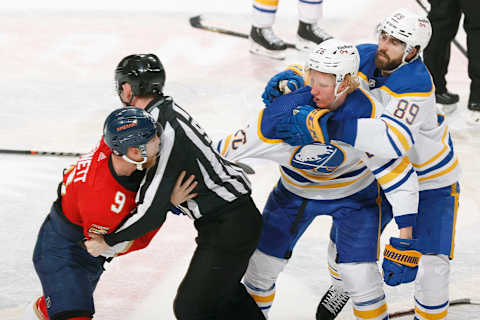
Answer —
283 82
305 125
400 261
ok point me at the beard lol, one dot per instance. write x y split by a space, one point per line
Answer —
151 161
385 63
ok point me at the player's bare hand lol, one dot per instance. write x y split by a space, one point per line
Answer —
182 190
96 245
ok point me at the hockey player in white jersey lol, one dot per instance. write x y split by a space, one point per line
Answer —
394 73
327 177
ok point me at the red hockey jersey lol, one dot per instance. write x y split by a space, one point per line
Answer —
93 199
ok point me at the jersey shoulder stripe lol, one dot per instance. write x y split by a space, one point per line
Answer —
411 79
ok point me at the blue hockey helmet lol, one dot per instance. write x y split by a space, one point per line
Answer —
144 73
129 127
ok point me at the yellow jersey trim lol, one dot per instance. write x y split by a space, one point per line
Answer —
441 173
363 76
454 194
409 94
395 173
379 204
227 143
259 131
400 136
331 186
374 107
297 68
435 157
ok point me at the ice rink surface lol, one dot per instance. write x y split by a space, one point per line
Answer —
56 88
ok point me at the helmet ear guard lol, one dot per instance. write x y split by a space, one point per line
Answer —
144 73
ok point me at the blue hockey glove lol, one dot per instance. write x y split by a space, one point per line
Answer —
305 125
400 261
277 86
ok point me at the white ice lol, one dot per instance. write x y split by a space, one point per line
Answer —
56 87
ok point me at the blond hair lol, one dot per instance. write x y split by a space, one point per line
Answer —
353 82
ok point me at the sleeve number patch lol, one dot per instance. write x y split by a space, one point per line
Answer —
119 202
406 111
239 139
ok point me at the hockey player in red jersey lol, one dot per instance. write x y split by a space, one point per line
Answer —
96 197
224 214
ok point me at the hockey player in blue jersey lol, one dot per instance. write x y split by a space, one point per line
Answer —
327 178
394 73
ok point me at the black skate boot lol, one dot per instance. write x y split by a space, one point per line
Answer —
331 304
265 42
446 97
310 34
447 100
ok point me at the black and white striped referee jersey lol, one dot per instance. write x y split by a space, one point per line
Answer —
184 145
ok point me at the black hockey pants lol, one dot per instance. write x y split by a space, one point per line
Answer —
445 18
211 289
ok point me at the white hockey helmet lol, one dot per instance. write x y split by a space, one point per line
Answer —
335 57
410 28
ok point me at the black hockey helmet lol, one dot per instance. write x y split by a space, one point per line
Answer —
129 127
144 73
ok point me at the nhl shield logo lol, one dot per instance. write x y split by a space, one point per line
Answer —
324 158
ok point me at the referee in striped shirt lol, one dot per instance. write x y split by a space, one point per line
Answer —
224 214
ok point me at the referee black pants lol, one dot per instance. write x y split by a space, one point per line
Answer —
211 288
445 17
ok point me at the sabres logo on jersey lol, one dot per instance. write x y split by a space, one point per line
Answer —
324 158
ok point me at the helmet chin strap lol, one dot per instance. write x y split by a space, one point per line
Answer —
404 59
339 94
139 164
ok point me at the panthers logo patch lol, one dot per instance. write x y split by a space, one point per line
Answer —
324 158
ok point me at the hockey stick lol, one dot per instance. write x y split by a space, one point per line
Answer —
455 42
41 153
196 22
456 302
248 170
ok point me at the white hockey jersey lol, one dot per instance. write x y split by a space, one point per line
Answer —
409 124
326 171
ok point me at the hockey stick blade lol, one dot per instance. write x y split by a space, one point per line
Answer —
41 153
245 167
197 23
456 302
455 42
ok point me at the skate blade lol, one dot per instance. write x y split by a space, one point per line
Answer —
305 45
448 108
255 48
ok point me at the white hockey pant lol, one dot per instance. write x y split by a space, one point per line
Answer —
260 278
362 282
431 287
